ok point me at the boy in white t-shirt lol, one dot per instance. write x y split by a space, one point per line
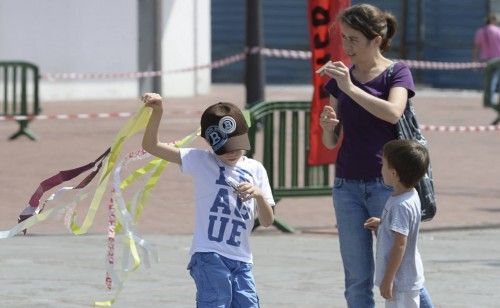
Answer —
399 272
231 190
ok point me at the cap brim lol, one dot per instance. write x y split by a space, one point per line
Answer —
234 143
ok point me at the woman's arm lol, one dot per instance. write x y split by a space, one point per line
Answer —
150 140
330 124
389 110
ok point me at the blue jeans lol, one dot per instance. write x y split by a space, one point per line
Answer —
355 201
222 282
494 87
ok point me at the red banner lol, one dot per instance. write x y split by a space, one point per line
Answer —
326 44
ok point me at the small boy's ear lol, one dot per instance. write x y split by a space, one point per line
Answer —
393 172
395 175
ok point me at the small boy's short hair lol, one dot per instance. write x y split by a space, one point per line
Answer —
409 158
225 128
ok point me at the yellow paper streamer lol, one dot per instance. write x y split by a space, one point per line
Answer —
158 165
136 123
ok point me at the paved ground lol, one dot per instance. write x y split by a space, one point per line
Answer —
466 165
462 266
462 271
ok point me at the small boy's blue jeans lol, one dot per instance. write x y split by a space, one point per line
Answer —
222 282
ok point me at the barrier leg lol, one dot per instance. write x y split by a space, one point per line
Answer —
24 130
278 223
497 120
282 226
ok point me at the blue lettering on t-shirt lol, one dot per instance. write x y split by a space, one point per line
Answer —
222 201
222 178
222 181
222 228
235 232
241 211
244 174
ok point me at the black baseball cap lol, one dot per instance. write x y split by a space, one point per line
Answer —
225 128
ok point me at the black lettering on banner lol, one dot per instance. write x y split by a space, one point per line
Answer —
318 43
320 16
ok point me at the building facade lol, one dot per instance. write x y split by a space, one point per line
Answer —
428 30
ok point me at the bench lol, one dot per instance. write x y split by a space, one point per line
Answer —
492 67
279 137
19 94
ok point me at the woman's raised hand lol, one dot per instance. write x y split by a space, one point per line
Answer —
338 71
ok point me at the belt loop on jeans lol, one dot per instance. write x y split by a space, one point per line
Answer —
364 181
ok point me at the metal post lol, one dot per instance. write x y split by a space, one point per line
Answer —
149 43
404 29
420 33
254 66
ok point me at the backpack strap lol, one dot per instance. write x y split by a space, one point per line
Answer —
390 70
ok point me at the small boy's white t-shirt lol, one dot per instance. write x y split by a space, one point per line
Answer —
223 223
401 214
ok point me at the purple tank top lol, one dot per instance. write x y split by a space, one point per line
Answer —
360 156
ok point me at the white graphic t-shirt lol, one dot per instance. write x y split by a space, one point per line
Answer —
223 222
401 214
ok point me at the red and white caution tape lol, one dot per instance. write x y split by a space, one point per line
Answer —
443 65
433 128
268 52
281 53
101 115
460 129
306 55
133 75
84 116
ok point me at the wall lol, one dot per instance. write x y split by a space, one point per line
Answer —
186 42
448 31
73 36
93 36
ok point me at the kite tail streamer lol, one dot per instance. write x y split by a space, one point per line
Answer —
128 216
46 214
61 177
111 240
122 216
136 123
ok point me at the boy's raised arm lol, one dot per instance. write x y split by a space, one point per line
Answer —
150 140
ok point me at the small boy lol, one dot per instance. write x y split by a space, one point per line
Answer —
231 190
399 272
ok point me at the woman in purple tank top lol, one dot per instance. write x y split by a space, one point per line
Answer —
365 104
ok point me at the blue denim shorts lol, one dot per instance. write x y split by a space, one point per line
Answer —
222 282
